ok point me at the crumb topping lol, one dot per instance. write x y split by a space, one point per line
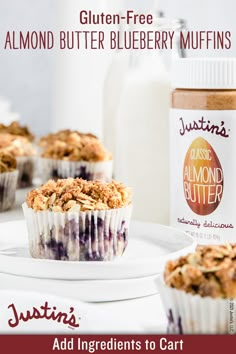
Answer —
7 162
16 129
61 135
77 147
210 271
16 145
77 194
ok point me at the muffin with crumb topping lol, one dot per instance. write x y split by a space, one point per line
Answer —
78 220
14 128
61 135
23 151
74 154
199 291
8 180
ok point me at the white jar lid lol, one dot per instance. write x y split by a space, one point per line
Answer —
204 73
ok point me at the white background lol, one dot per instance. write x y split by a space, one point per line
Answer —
55 90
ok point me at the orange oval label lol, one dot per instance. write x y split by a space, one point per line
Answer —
203 179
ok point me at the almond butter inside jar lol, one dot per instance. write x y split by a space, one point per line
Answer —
202 147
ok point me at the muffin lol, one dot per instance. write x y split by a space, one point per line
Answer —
22 149
61 135
16 129
78 220
8 180
76 155
199 294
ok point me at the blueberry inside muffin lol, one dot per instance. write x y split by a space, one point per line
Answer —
74 154
78 220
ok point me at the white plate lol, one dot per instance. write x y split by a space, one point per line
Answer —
149 247
84 290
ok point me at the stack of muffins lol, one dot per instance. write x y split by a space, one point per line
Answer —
79 213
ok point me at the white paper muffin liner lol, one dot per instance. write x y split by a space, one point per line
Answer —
78 236
193 314
25 166
8 182
59 169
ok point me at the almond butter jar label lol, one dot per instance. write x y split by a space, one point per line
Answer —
203 174
202 149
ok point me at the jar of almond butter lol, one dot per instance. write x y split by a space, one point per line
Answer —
203 149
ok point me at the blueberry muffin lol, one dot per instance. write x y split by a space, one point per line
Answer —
78 220
61 135
23 151
8 180
199 290
15 128
76 155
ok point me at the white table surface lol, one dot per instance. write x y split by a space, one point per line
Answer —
147 313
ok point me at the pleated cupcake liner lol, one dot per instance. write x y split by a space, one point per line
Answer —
8 183
78 236
91 171
25 166
193 314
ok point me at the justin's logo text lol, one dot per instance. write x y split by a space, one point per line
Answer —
43 312
204 126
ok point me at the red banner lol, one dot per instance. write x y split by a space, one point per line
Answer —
45 344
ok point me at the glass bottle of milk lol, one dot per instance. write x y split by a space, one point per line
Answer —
113 85
142 158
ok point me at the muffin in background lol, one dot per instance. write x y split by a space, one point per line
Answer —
199 291
15 128
75 155
8 180
78 220
61 135
23 151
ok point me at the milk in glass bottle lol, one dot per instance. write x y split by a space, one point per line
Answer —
113 85
142 157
